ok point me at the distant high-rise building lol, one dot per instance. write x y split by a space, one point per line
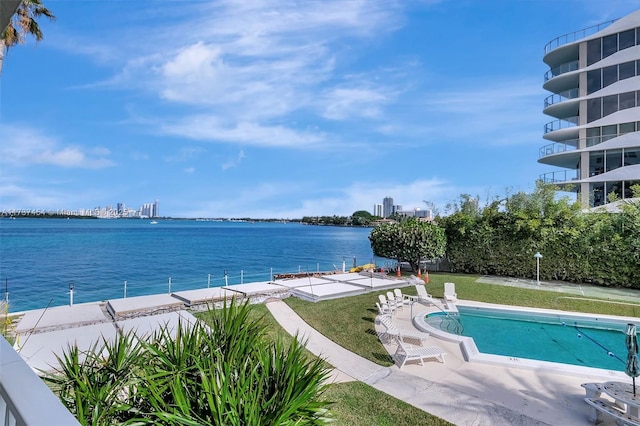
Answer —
387 206
156 208
593 77
120 208
377 210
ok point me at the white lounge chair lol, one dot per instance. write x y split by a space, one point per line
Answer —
406 352
383 309
450 294
396 303
395 332
422 296
390 303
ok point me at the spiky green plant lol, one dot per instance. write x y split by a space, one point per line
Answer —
222 372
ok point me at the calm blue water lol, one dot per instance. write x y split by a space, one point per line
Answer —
39 257
546 339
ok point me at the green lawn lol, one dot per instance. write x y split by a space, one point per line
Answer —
355 403
349 321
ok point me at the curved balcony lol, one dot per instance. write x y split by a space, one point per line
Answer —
562 96
562 69
559 176
564 123
557 148
575 36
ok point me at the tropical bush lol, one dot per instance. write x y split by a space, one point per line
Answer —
224 372
408 241
501 239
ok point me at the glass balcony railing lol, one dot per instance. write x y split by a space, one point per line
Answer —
562 96
561 124
559 176
572 144
576 35
562 69
555 148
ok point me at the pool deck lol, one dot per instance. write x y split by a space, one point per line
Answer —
461 392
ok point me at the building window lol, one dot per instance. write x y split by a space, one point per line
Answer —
594 51
627 100
609 75
609 105
613 160
594 81
631 156
627 127
627 70
596 163
626 39
594 109
609 45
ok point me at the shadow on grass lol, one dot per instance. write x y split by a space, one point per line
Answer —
383 357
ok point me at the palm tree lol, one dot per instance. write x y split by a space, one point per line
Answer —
22 24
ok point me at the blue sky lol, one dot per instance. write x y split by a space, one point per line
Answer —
280 109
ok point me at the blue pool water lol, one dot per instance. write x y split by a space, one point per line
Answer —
561 339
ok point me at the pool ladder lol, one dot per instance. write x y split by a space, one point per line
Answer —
449 323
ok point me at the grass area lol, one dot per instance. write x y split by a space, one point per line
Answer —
356 403
349 321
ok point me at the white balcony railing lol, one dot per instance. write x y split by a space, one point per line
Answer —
25 400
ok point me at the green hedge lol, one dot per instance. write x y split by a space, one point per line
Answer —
501 239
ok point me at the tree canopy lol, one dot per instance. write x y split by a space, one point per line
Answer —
408 241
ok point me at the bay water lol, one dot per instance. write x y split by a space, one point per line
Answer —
41 258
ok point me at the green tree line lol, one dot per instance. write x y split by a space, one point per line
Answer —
501 238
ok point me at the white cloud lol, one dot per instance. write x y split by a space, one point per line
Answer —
235 162
23 146
344 103
209 128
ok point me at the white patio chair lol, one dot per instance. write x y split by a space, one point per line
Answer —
399 296
383 309
383 301
396 332
407 352
422 296
391 296
450 294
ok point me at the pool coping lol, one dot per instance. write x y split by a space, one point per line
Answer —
471 353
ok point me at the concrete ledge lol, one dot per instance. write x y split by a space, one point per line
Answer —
132 307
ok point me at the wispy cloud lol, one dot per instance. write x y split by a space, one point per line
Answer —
235 162
23 146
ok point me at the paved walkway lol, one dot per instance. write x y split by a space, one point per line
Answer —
460 392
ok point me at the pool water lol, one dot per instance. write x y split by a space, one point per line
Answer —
553 339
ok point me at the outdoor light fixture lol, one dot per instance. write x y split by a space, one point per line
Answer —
538 256
71 286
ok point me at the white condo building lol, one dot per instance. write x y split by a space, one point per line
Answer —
594 78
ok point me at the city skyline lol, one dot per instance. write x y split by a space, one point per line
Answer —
280 110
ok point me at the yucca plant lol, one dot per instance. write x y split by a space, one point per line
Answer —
222 371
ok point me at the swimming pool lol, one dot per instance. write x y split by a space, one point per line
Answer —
580 340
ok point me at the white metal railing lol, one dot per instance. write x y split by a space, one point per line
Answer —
25 400
576 35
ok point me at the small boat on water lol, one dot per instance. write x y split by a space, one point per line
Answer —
154 222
